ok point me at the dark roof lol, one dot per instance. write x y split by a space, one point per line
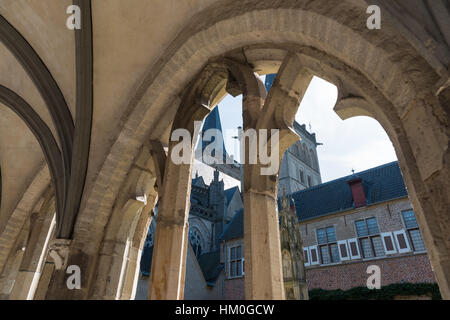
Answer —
210 265
198 181
229 193
234 229
380 184
212 121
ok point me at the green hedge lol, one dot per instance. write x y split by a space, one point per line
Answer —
384 293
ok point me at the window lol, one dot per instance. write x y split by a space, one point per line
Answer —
309 181
314 258
306 256
328 249
196 242
369 238
412 230
235 262
302 176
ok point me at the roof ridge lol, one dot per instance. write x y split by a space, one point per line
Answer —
345 177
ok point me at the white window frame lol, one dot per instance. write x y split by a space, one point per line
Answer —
317 255
328 245
344 242
407 231
354 257
370 237
408 247
229 261
307 264
389 235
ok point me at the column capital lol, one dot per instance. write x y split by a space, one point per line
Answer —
59 252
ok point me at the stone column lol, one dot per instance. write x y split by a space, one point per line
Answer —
134 202
11 268
263 266
34 256
58 257
169 253
113 255
131 277
44 281
425 164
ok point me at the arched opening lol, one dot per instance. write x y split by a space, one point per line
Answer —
196 242
310 160
363 65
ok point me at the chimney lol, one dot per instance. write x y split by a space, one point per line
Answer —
359 197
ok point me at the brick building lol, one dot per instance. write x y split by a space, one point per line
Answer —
346 225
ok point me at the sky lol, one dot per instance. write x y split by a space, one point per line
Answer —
357 143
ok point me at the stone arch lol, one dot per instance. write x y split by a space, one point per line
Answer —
206 236
125 233
375 61
11 268
216 36
197 241
45 138
42 225
22 211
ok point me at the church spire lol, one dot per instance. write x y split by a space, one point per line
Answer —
213 121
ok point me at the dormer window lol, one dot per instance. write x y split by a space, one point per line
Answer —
357 188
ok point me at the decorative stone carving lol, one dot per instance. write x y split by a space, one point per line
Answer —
59 252
291 243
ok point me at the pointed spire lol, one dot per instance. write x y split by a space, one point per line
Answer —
213 121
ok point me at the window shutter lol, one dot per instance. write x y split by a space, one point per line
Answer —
343 250
402 241
242 266
388 243
306 256
353 248
314 257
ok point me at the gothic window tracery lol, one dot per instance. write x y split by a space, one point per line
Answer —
196 242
